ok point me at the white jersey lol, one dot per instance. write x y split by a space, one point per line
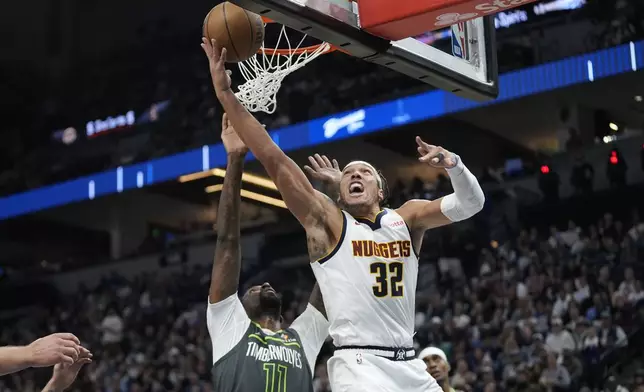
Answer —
369 281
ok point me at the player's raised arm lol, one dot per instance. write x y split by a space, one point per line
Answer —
308 205
465 202
227 264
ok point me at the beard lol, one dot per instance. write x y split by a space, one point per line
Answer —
270 305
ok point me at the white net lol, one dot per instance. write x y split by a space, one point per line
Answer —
265 71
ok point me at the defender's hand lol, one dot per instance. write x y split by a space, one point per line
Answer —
232 143
63 348
64 375
323 169
435 156
217 62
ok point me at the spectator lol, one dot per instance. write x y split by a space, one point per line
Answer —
463 378
611 335
628 285
555 377
112 327
559 339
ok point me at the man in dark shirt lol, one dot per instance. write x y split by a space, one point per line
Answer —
251 352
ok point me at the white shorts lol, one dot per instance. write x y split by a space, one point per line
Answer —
356 371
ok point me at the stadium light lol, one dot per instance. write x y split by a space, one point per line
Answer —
246 177
250 195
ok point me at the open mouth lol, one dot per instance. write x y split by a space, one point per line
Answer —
356 188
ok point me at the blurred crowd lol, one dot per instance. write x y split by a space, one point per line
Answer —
536 313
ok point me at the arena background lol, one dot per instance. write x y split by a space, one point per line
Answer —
108 113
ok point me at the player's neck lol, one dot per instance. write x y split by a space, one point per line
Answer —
445 385
269 322
366 212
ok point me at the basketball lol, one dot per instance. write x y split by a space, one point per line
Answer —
239 31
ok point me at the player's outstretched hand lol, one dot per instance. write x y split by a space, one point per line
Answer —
435 156
217 62
323 169
232 143
64 374
56 348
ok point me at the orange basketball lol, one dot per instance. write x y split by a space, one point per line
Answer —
239 31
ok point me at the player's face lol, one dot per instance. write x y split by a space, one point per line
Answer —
437 367
262 300
359 187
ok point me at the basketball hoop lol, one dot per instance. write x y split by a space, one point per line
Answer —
265 71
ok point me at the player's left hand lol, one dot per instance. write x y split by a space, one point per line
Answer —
232 143
323 169
64 374
217 62
435 156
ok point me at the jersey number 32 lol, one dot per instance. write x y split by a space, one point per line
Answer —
389 278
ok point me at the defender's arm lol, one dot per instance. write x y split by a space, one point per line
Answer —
226 318
227 264
312 326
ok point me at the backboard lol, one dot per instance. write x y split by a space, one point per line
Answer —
464 63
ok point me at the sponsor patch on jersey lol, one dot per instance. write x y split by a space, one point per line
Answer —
397 223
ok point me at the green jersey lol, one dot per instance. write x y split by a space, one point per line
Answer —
248 358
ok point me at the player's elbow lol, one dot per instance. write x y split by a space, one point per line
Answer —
473 204
458 209
478 203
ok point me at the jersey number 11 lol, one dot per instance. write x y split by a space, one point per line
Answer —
389 279
275 377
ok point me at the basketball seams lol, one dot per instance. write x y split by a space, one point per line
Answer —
204 28
230 37
251 30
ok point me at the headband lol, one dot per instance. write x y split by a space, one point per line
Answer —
370 166
429 351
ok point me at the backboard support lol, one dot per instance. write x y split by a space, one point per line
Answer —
469 71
